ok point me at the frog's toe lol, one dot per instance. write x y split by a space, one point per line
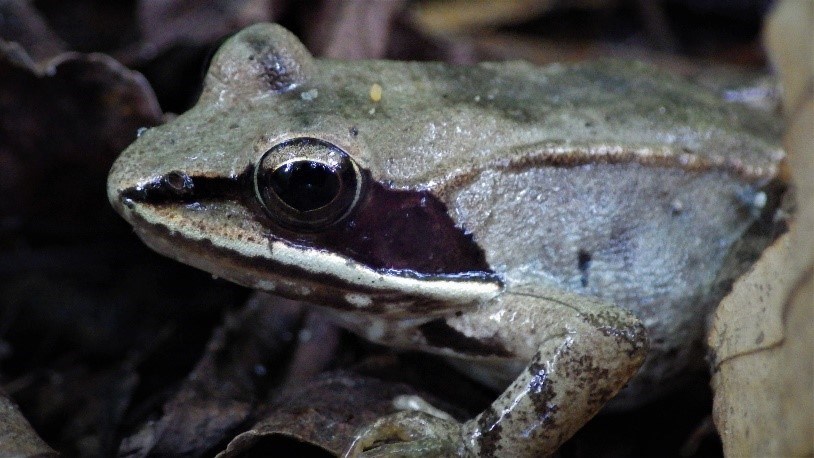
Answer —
408 434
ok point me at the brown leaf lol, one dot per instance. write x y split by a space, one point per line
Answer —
323 414
243 358
24 25
764 372
168 23
93 400
762 334
70 115
90 25
356 29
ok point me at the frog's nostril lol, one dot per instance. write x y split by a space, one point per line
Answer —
173 186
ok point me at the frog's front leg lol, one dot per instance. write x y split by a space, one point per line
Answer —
581 351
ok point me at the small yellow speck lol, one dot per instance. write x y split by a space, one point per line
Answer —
375 92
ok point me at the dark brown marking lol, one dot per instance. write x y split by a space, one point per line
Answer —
584 266
491 431
326 288
439 334
548 156
280 71
389 229
400 230
541 391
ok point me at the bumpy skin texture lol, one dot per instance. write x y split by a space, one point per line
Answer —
511 214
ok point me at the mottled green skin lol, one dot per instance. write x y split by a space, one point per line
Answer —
652 178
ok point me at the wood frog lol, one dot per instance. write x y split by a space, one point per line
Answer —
537 226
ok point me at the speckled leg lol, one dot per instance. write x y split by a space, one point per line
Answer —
586 353
581 353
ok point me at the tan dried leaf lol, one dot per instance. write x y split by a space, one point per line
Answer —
763 332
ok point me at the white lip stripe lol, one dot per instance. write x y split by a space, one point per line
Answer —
321 262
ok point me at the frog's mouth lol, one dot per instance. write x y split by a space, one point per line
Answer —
390 254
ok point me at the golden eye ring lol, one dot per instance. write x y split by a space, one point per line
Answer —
306 183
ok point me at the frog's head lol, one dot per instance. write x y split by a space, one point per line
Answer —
255 185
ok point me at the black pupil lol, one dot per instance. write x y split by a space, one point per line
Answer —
305 185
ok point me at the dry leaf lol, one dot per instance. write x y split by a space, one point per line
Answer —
242 359
63 121
358 29
164 24
323 414
762 332
24 25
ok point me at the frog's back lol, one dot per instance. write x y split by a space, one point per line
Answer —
434 120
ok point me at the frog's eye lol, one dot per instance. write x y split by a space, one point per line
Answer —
307 183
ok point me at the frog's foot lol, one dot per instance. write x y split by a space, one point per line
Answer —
408 434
